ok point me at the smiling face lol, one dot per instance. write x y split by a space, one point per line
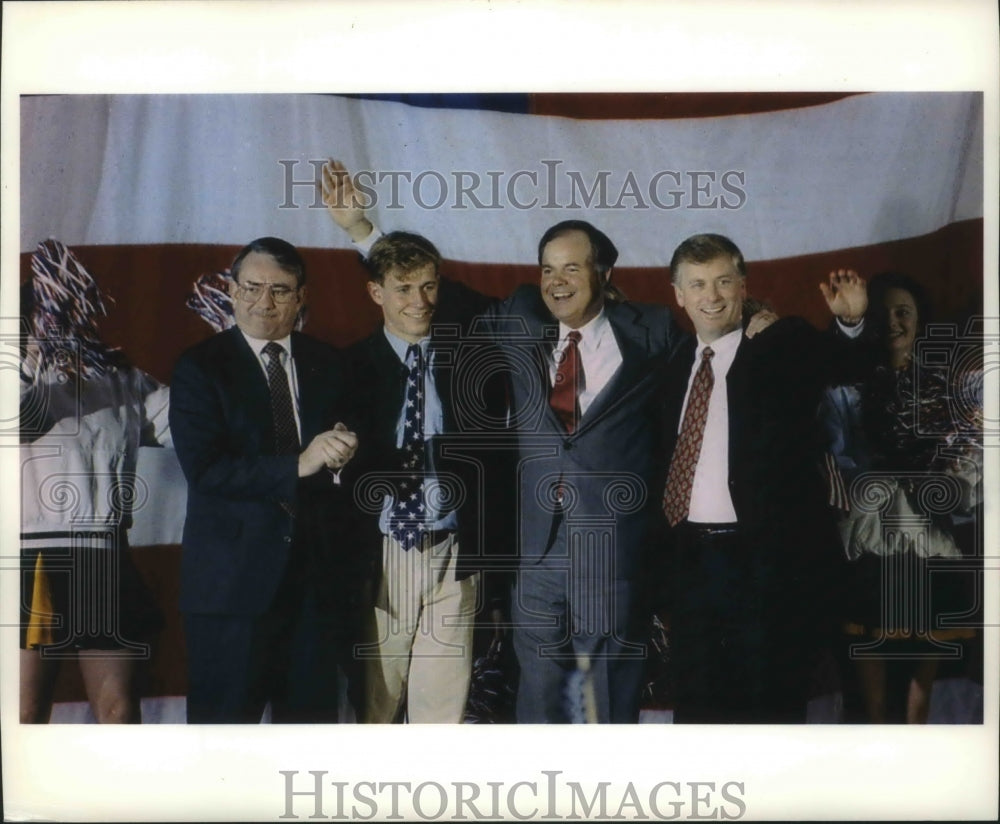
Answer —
712 294
407 300
262 317
571 286
901 325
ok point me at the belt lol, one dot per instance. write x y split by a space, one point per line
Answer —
708 531
432 537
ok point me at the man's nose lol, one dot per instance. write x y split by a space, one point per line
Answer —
267 297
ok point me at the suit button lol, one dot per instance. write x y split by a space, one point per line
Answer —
568 445
288 539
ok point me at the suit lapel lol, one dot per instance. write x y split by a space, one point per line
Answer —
633 342
738 393
249 377
389 380
543 338
678 375
309 384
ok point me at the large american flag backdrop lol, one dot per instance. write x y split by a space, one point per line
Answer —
152 191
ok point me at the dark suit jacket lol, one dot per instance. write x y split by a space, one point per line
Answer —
775 452
606 466
237 535
471 457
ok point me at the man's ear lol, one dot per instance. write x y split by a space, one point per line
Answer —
375 291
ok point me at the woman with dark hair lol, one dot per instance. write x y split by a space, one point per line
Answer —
912 459
84 413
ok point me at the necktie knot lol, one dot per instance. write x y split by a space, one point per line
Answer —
707 354
414 356
274 352
574 337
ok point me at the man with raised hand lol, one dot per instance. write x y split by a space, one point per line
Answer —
754 546
427 488
584 368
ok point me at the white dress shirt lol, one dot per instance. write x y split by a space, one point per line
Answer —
711 502
710 499
600 357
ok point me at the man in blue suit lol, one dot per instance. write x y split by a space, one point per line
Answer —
584 413
257 417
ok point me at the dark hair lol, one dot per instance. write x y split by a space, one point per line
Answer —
284 254
703 249
875 319
407 251
603 253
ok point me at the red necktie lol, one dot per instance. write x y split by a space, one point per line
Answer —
677 495
565 396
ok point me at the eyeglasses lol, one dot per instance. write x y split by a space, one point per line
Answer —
252 292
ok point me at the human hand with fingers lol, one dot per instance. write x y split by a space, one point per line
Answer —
846 294
344 202
331 449
760 321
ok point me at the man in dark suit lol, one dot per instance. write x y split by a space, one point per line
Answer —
585 370
428 471
257 417
754 544
583 366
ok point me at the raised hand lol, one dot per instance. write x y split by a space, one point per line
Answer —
344 202
847 295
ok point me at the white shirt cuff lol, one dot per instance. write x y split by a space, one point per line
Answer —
365 246
851 331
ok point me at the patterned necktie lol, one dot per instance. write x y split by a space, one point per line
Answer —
677 495
407 521
286 434
565 396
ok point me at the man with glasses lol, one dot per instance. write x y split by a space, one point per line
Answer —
257 414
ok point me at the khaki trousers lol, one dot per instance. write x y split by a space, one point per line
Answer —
418 646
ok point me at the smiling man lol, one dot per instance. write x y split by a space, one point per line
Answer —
584 368
754 544
586 462
422 492
257 416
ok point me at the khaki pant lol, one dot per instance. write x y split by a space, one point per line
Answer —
419 636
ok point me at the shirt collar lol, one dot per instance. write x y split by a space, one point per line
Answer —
400 346
724 346
257 344
590 333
